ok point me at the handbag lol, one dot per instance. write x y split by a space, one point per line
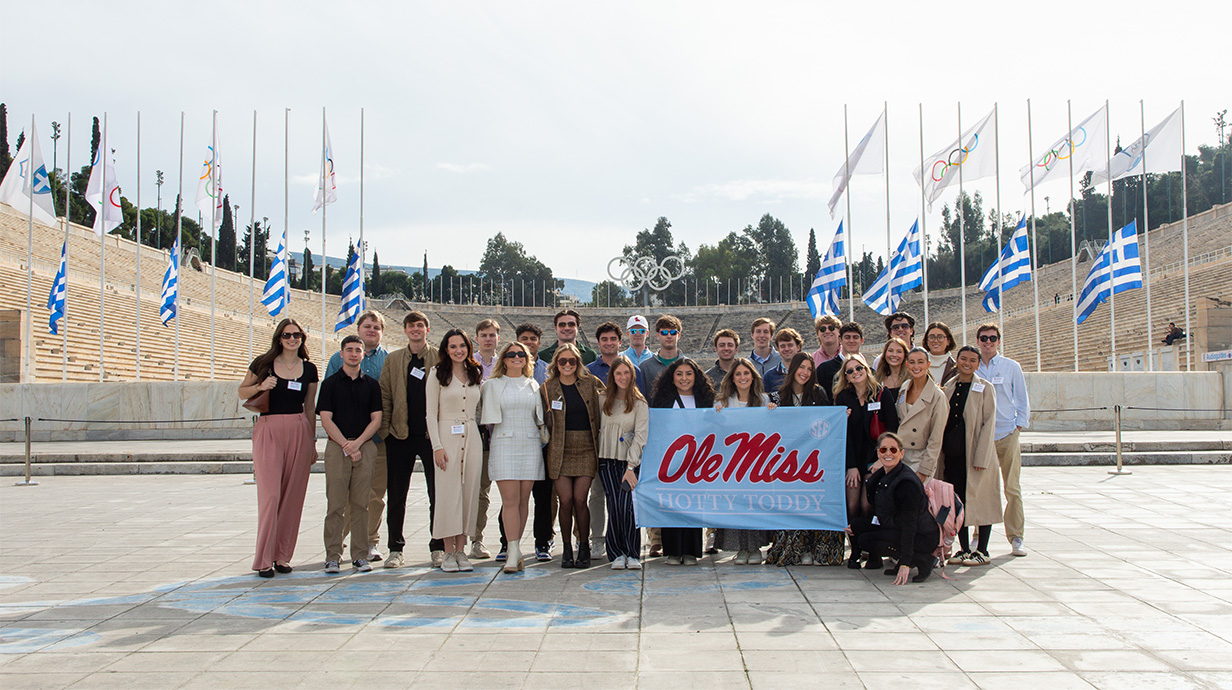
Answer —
258 403
875 426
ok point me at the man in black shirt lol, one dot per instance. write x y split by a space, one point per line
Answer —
350 408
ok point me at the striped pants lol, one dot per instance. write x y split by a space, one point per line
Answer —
623 536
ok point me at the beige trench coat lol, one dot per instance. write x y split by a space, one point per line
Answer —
983 499
921 426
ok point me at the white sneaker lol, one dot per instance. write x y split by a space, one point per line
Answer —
709 546
374 553
620 563
449 563
464 563
332 567
479 551
806 559
1017 548
362 565
598 547
395 560
632 563
438 557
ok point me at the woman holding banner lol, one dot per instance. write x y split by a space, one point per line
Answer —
742 387
922 411
571 398
622 435
856 389
970 453
682 386
804 547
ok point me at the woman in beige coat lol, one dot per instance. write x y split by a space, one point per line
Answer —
622 435
971 454
921 416
452 410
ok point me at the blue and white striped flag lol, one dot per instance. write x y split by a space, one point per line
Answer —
171 285
55 301
904 272
352 295
823 295
1116 269
276 294
1015 263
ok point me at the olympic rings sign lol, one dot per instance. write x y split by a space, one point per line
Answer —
640 271
1064 150
956 158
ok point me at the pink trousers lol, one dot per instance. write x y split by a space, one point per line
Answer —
281 460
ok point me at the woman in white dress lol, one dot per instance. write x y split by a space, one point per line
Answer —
453 403
742 387
511 405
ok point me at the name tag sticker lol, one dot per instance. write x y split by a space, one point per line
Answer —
876 521
558 405
998 380
417 372
294 386
874 406
977 388
457 429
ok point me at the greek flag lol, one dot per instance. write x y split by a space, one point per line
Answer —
905 271
1116 269
1015 263
823 296
352 295
55 301
171 285
275 296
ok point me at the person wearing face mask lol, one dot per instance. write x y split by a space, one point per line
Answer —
571 399
855 389
682 386
622 436
940 343
922 411
901 526
971 455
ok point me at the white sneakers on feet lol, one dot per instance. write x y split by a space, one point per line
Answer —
374 553
620 563
1017 548
632 563
449 563
479 551
464 563
395 560
332 567
362 565
438 557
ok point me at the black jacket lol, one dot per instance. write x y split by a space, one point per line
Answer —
900 504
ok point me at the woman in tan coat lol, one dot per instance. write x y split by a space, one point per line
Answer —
571 400
921 416
622 435
453 408
971 454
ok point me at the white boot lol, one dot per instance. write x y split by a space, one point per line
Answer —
513 563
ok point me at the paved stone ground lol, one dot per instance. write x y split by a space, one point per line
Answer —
143 582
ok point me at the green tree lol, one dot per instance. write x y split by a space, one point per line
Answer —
776 255
311 277
729 262
226 237
260 250
374 285
504 267
6 157
659 244
96 135
812 259
609 293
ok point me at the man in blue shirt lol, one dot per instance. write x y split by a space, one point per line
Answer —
763 356
787 342
637 352
1013 415
531 335
607 335
370 328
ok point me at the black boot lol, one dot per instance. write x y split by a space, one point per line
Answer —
926 565
583 559
566 559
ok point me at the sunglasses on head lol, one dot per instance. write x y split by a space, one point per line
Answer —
292 335
989 338
668 331
515 354
852 372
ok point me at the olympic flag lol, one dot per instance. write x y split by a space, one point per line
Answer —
1085 144
327 185
1162 152
107 215
28 168
209 187
867 159
975 153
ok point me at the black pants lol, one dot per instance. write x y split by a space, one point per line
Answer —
880 542
682 541
541 518
400 457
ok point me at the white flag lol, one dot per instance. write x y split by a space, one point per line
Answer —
327 186
867 159
104 221
975 153
27 166
1162 152
209 187
1086 145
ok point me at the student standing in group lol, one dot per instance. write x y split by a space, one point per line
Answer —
726 345
857 389
901 325
763 356
283 445
404 426
1013 415
682 386
487 335
531 336
829 348
571 401
669 332
891 372
566 323
370 328
543 520
850 340
787 342
457 451
608 336
512 406
622 435
971 455
350 410
922 411
638 352
742 387
940 343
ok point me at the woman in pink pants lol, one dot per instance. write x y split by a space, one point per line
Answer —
283 445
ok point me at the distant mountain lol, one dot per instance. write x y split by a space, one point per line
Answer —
580 289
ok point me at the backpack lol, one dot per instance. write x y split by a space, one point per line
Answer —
947 508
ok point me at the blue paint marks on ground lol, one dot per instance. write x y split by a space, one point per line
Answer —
26 640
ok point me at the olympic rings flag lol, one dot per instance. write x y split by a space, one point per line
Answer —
641 271
107 215
975 153
750 468
1164 141
1083 145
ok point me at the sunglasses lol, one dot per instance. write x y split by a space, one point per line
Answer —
515 355
887 451
668 331
900 327
827 327
567 324
852 372
637 331
567 362
989 338
292 335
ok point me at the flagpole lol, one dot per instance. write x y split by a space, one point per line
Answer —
996 128
1034 256
104 199
962 240
851 287
138 334
1185 241
324 261
923 216
362 248
30 256
1116 365
179 216
886 139
68 147
1073 230
215 201
1146 243
286 198
252 235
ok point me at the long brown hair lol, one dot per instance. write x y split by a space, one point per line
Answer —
871 385
883 364
727 389
444 363
632 394
264 364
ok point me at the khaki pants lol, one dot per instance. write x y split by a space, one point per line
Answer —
376 504
485 502
348 488
1009 455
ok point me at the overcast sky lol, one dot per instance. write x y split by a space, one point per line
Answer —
570 126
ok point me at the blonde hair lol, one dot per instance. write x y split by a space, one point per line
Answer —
554 368
727 389
883 366
871 385
528 371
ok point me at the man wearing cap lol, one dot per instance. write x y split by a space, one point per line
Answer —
637 352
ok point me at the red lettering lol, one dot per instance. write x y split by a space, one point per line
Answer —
751 458
750 454
684 443
699 460
811 471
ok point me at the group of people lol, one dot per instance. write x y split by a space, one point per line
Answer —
545 423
